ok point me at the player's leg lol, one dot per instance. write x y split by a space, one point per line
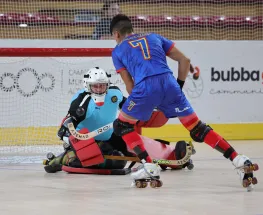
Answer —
176 104
124 127
157 149
199 131
117 143
136 107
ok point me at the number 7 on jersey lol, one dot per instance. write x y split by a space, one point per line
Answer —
143 44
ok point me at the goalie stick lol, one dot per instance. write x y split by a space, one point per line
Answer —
89 135
180 162
105 128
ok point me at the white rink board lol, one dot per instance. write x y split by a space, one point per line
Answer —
214 101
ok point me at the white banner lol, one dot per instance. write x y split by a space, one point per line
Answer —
37 91
231 80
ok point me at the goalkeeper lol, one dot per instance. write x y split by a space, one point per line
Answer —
91 108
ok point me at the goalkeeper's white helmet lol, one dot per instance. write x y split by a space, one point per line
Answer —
96 82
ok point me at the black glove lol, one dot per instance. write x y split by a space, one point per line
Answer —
63 130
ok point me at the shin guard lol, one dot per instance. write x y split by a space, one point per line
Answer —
87 151
135 142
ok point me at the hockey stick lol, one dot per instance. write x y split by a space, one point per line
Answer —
180 162
105 128
89 135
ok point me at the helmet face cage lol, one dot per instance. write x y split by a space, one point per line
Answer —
96 81
98 88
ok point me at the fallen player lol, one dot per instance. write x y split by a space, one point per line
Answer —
93 107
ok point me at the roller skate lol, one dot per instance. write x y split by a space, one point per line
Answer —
189 165
147 173
245 170
54 164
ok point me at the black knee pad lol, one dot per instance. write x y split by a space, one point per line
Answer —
121 128
199 132
117 143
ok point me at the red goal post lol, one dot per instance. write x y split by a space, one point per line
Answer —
55 52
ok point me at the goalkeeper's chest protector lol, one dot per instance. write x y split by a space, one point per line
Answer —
98 116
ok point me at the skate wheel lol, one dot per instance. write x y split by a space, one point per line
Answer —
246 183
254 180
144 184
250 168
138 184
255 167
45 162
159 184
50 156
190 166
154 184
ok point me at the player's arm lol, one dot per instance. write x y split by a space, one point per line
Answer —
175 54
75 114
183 63
128 81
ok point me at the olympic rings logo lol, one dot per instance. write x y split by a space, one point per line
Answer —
16 85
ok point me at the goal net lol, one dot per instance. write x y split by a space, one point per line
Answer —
36 87
175 19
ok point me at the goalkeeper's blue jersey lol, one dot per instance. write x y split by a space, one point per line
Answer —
98 116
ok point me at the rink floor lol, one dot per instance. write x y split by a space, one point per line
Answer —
211 188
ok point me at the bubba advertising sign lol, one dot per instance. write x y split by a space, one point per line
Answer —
230 84
234 74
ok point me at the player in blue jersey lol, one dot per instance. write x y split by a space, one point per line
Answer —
140 59
91 108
